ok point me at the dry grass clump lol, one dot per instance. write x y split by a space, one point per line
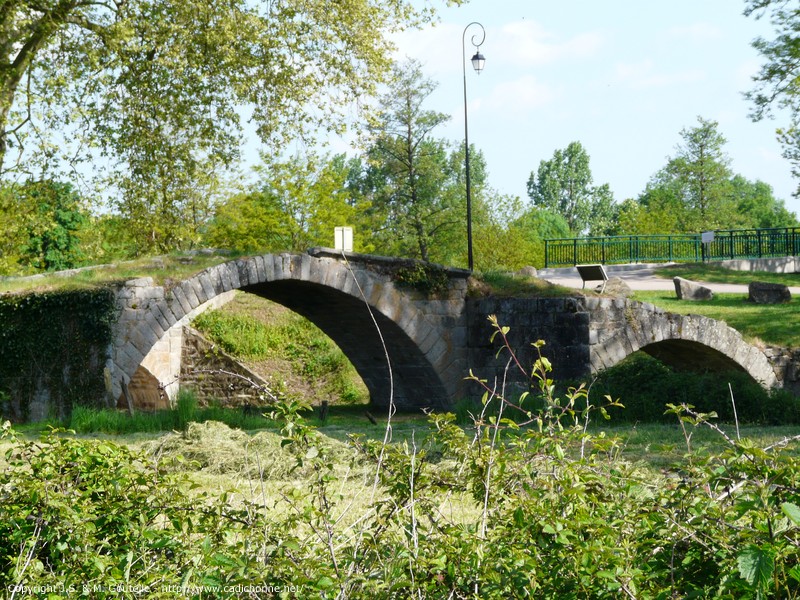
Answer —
215 448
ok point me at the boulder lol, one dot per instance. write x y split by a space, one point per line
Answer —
689 290
527 272
616 287
768 293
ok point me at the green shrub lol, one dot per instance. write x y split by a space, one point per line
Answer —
547 510
647 385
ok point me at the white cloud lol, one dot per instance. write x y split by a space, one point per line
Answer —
697 32
527 43
518 96
643 75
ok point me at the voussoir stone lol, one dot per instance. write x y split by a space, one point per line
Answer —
689 290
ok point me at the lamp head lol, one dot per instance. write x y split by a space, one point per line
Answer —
478 61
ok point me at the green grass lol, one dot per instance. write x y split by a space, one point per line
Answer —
174 267
717 274
655 445
284 346
501 283
777 324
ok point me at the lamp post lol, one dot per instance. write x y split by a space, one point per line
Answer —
477 63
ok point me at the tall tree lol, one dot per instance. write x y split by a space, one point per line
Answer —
41 223
157 86
695 183
296 205
563 185
757 206
408 166
697 191
777 84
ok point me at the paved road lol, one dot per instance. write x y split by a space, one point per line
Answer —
639 277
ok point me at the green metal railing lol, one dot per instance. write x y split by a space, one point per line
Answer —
727 244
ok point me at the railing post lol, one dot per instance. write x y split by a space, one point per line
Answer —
574 252
546 253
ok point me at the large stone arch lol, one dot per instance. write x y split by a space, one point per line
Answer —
425 338
621 327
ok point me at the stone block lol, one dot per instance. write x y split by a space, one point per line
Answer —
204 279
215 277
616 287
190 291
768 293
689 290
261 272
180 297
269 267
244 276
252 271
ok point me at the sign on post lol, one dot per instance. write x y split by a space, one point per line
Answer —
343 238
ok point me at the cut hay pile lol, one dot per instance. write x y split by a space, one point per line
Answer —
215 448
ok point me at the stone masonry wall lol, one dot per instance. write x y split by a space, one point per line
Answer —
213 375
562 323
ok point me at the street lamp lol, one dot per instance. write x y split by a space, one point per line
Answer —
477 63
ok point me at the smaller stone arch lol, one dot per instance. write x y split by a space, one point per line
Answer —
621 327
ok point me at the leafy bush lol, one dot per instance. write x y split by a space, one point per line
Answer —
428 279
545 509
647 384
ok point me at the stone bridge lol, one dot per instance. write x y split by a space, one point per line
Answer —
431 342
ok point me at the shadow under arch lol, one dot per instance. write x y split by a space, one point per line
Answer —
688 355
346 320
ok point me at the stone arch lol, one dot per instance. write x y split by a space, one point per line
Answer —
424 337
621 327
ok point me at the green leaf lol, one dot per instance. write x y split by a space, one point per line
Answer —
756 565
792 511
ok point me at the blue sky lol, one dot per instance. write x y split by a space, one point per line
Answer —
621 77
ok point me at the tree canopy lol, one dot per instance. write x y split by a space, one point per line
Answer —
697 190
564 185
155 91
777 84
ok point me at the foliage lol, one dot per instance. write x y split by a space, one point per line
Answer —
547 509
292 340
533 227
777 84
296 205
408 171
563 185
431 280
646 383
41 223
156 89
55 341
696 191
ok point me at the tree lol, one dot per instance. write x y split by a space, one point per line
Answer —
757 206
41 222
695 183
697 191
157 86
296 206
408 168
563 185
777 84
